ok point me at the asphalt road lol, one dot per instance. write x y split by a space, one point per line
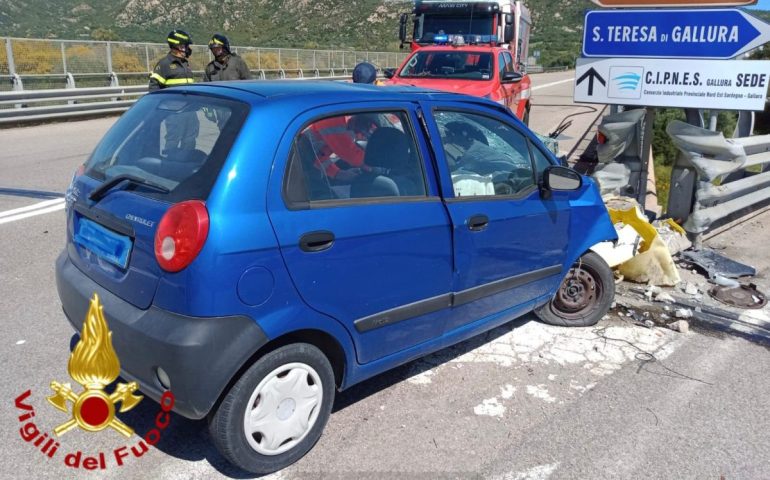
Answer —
526 401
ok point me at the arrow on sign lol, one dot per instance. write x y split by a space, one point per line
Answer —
591 74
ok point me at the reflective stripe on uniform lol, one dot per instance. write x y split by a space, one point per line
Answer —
157 77
179 81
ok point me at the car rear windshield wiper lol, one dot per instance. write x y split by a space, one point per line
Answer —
100 191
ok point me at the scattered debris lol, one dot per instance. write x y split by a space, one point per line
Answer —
664 298
715 264
649 323
742 296
691 289
680 326
683 313
726 282
673 235
653 264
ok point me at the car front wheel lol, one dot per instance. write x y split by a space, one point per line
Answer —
584 296
276 411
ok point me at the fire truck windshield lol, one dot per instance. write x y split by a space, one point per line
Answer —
455 64
432 25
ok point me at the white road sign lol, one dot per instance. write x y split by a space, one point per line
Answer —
708 84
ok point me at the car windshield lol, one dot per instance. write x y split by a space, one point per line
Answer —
177 142
454 64
432 25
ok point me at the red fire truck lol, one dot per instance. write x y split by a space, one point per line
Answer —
474 47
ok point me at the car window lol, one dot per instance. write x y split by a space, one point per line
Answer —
485 156
509 63
541 160
355 156
500 65
174 141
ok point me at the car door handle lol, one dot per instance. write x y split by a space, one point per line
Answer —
478 223
316 241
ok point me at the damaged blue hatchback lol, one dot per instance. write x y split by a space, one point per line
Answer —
259 246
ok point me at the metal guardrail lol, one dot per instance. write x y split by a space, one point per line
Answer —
66 106
732 174
36 58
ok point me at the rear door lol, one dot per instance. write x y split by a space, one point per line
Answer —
172 147
509 241
370 246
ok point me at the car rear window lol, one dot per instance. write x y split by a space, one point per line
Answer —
177 141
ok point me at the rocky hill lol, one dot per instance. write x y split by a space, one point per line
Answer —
359 24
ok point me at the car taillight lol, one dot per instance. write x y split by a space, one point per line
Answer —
600 138
181 234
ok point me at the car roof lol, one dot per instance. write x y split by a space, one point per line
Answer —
316 93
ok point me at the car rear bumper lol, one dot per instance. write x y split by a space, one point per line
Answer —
200 355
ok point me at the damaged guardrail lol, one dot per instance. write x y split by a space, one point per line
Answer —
717 162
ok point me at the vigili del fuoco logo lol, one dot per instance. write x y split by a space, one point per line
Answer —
94 365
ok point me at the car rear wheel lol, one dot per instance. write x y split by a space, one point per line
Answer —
584 296
276 411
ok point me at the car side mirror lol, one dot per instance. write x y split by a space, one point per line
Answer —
402 21
389 72
508 34
561 179
512 77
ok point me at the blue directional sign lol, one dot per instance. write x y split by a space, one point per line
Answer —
710 33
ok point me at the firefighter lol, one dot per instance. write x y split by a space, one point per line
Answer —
226 65
173 69
182 128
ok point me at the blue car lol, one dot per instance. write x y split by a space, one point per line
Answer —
259 246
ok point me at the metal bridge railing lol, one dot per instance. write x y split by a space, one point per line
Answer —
41 63
23 105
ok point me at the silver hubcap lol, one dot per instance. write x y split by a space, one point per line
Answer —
283 408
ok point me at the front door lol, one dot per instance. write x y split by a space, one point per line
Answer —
510 243
366 238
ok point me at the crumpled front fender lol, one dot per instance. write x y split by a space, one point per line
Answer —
589 222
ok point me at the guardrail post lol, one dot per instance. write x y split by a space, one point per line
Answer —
316 73
70 85
147 57
300 73
282 73
17 86
262 75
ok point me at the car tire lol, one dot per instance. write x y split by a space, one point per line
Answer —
275 398
584 296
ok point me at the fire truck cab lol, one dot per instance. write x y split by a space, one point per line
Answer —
478 48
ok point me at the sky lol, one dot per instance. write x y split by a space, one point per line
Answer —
762 5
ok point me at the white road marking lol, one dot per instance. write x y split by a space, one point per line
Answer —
31 211
21 342
538 87
28 208
541 472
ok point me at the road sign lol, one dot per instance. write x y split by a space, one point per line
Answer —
708 84
673 3
711 33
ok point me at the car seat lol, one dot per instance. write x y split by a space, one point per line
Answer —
393 153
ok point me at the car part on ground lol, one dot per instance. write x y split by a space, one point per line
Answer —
743 296
715 264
